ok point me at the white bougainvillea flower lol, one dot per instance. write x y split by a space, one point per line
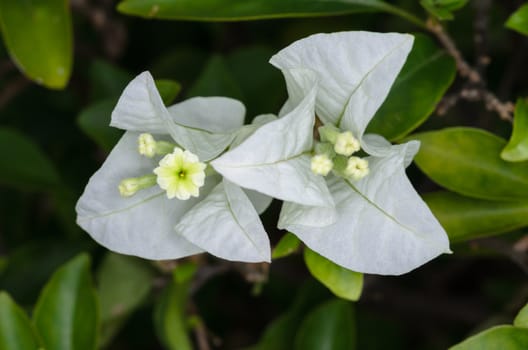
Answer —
153 199
382 226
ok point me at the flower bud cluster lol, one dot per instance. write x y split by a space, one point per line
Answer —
334 153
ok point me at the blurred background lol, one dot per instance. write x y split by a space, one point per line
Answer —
52 140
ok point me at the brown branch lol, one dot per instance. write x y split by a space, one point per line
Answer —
479 91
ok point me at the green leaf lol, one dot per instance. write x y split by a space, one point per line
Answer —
124 284
66 314
38 36
216 80
330 326
19 157
240 10
500 337
94 120
168 90
517 149
169 315
16 331
519 20
288 244
344 283
466 218
467 161
521 320
425 77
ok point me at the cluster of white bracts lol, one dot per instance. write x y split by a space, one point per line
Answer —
364 215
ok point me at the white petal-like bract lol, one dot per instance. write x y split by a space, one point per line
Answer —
355 72
203 125
383 225
274 160
142 224
226 225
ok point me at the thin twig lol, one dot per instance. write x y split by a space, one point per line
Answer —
503 109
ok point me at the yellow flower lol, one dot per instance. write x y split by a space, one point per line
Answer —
181 174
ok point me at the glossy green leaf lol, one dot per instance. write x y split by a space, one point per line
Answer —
124 283
66 314
521 320
330 326
288 244
168 90
240 10
169 315
344 283
467 161
16 331
19 157
216 80
466 218
425 77
94 120
517 148
519 20
500 337
38 36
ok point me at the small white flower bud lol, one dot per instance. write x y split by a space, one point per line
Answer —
346 144
147 145
357 168
321 164
129 187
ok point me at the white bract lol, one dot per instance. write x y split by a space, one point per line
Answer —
152 198
382 225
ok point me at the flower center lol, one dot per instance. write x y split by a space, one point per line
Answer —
180 174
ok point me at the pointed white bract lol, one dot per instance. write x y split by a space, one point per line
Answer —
382 226
203 125
226 225
206 215
355 71
142 224
274 159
